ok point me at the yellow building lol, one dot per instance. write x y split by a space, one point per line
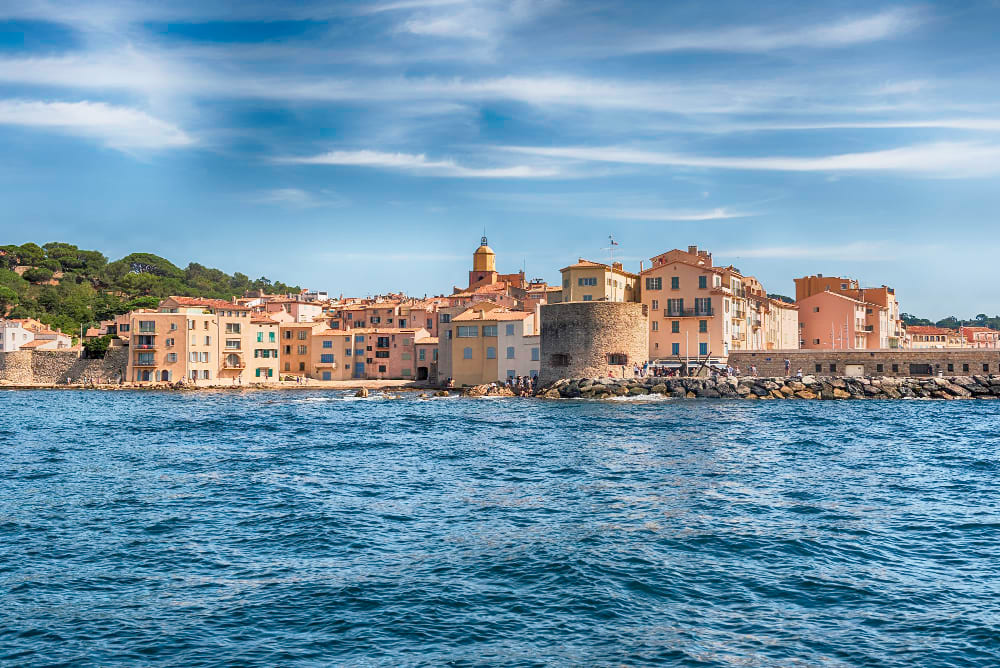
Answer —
483 348
592 281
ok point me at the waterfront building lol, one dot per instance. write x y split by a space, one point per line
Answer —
427 358
265 340
593 281
485 343
699 310
927 336
331 354
980 337
832 321
882 328
294 353
385 352
14 335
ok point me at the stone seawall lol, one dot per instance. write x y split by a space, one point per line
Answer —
54 367
807 387
900 363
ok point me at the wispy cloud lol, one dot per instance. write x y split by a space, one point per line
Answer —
299 198
121 128
858 251
940 159
669 215
971 124
845 32
419 164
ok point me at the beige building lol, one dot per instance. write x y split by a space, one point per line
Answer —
699 310
486 343
592 281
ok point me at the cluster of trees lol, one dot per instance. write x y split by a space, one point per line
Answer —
88 288
952 322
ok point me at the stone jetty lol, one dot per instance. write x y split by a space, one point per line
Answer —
807 387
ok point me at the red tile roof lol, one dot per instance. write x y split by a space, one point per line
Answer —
927 329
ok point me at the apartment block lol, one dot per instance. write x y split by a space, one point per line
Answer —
882 327
486 345
593 281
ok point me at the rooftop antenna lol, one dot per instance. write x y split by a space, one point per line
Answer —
484 237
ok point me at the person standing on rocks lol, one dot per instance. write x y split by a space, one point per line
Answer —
788 368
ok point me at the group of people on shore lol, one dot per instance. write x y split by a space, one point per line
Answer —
523 386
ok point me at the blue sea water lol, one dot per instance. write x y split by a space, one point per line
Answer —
301 528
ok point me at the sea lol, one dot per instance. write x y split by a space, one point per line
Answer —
313 528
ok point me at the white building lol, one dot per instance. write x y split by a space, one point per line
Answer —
13 335
517 345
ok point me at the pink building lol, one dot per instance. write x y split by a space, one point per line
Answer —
829 321
980 337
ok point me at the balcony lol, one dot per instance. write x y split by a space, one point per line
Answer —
689 313
144 362
233 361
145 346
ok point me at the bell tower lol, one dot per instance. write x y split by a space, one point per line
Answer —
484 265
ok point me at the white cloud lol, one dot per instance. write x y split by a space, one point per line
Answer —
298 198
859 251
972 124
419 163
846 32
666 215
940 159
121 128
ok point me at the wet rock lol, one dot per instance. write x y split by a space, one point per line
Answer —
362 393
805 394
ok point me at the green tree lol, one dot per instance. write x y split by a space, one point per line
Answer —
8 299
38 274
97 348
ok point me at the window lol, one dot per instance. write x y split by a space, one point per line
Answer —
675 349
617 359
328 343
702 282
588 298
326 358
656 326
288 350
147 326
819 367
491 353
146 359
359 352
401 323
232 328
287 366
965 367
951 367
654 283
445 317
381 368
421 354
703 348
270 337
703 305
288 333
406 342
190 324
206 374
559 359
833 368
815 342
208 340
327 375
467 353
656 304
675 307
586 281
986 367
675 326
509 329
510 352
534 354
303 334
170 343
895 368
171 358
407 372
703 326
302 350
489 330
382 342
203 357
675 283
205 324
233 344
302 366
565 282
879 368
815 309
260 337
193 357
467 332
359 338
407 356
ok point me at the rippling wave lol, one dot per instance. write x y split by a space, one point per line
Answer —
304 528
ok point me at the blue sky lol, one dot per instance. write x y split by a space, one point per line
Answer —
362 147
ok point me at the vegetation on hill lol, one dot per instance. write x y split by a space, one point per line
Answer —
952 322
70 288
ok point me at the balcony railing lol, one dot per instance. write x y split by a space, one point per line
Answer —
145 330
145 346
144 362
689 312
228 364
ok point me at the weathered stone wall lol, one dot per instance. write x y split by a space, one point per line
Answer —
808 387
893 363
54 367
578 337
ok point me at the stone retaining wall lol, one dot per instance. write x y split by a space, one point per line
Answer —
54 367
895 363
807 387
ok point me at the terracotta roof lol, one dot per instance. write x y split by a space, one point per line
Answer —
977 329
433 340
36 343
587 264
210 303
259 319
927 329
495 314
94 331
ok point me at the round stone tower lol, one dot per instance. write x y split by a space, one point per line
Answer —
592 339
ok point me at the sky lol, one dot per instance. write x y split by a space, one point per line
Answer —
364 147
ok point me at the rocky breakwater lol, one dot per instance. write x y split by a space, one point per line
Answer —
808 387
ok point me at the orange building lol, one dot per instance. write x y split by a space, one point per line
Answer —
882 326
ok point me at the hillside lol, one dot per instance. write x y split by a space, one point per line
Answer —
68 287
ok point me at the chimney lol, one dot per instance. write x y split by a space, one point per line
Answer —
616 265
693 250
